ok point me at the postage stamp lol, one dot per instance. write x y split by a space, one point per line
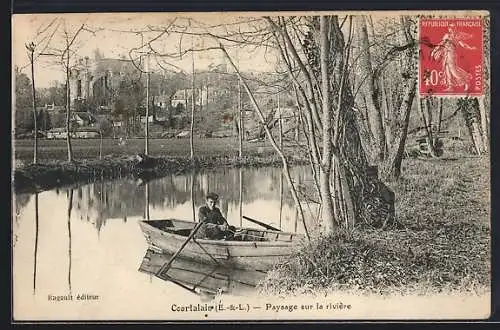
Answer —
451 56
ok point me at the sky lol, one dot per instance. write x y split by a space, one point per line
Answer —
113 42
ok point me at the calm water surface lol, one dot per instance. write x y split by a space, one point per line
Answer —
86 240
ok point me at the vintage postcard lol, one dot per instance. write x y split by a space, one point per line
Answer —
251 166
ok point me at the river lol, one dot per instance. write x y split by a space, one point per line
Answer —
85 241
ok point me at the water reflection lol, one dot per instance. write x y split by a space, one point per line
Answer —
240 190
35 252
256 196
87 237
205 281
193 206
70 208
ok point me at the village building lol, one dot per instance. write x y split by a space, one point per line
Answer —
184 97
98 78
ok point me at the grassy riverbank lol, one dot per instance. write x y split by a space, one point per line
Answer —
443 246
118 161
88 149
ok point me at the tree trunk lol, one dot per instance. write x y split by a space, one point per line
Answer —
100 145
476 137
297 128
386 113
68 109
484 123
470 110
366 79
35 145
440 119
146 124
425 107
127 125
392 166
280 124
327 215
134 118
364 197
328 219
191 131
240 121
401 117
153 107
344 209
430 107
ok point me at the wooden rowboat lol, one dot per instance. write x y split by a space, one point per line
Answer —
201 278
251 249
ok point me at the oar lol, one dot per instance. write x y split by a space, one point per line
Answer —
168 278
261 224
169 263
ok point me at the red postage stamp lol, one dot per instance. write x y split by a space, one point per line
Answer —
451 56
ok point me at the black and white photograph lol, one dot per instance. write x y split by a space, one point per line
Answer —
330 165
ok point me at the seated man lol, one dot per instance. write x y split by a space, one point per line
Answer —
214 226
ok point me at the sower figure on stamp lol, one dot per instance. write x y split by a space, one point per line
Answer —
446 52
214 226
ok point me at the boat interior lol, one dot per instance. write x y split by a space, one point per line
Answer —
183 228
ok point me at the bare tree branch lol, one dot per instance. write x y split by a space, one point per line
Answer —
282 31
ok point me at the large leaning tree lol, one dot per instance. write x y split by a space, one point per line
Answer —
350 191
314 56
384 83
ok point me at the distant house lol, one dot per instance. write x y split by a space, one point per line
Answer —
184 97
84 118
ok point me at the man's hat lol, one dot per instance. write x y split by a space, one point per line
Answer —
213 196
